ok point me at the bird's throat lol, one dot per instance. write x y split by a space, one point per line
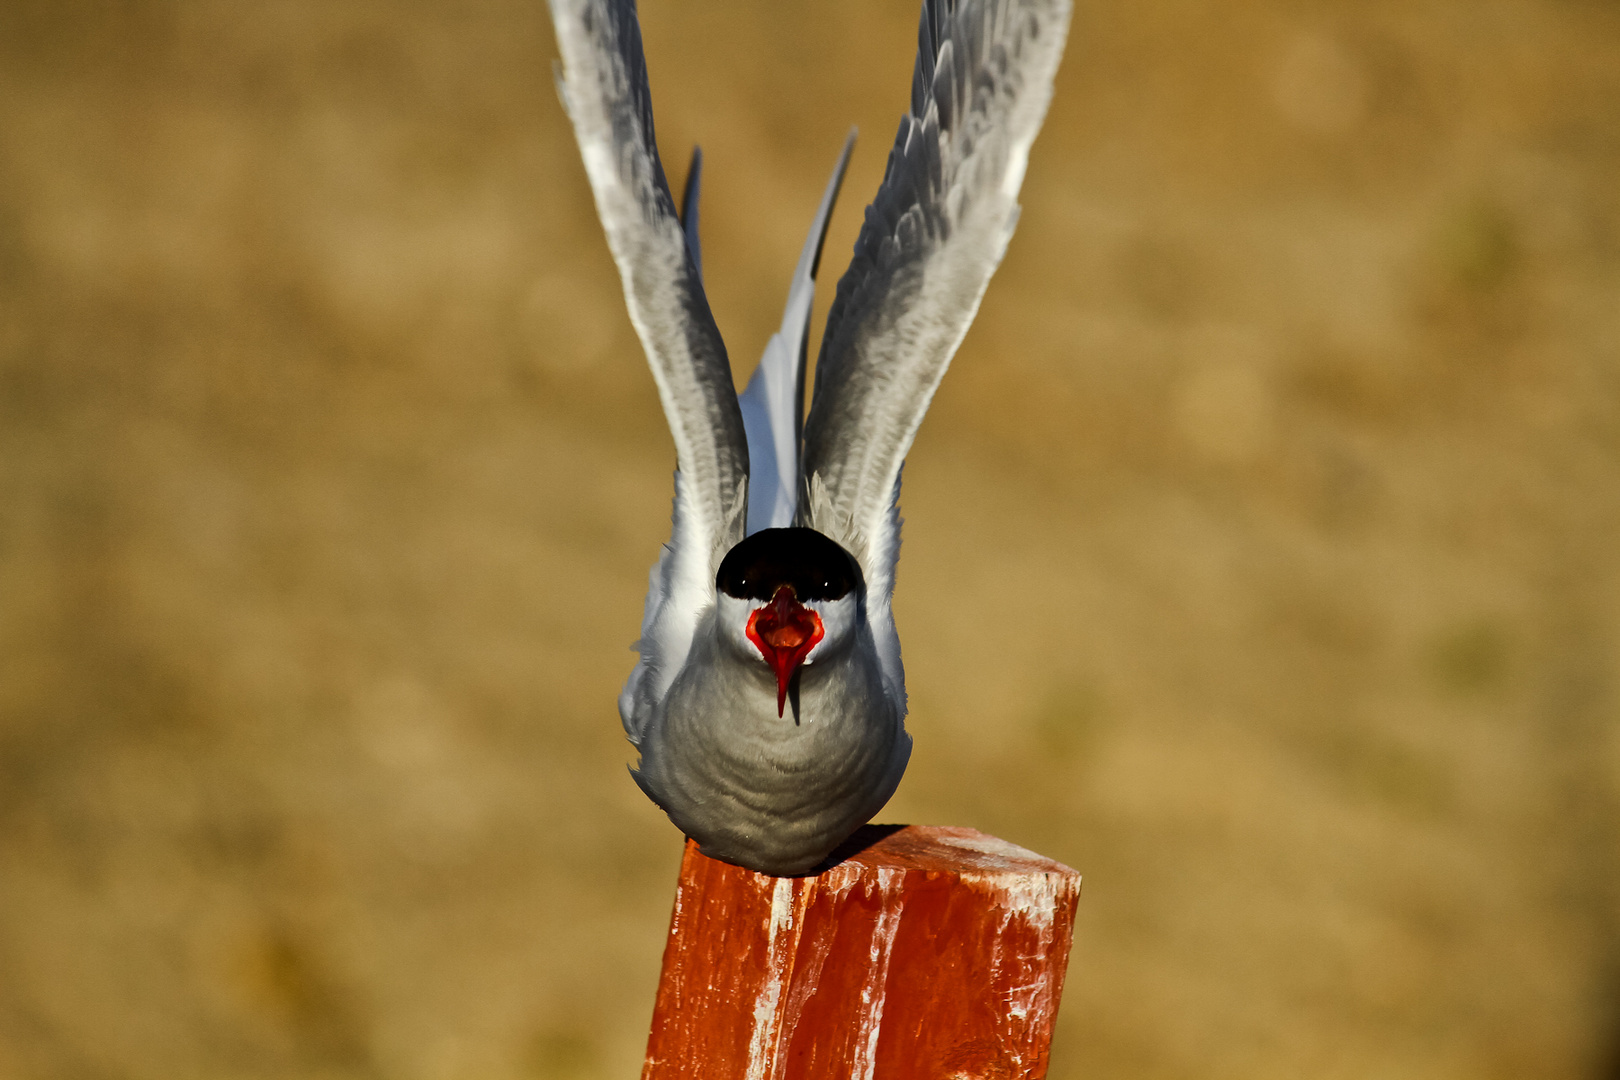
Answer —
784 631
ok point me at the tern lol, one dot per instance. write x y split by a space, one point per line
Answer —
768 705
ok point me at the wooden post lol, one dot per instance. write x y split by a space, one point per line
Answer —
925 954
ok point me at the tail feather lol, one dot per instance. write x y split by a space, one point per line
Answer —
773 403
689 209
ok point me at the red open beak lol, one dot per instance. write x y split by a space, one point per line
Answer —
784 631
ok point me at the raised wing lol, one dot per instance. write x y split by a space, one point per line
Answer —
933 236
773 404
603 85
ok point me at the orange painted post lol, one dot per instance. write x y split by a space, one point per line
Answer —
925 954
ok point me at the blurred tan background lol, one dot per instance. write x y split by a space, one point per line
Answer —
1260 555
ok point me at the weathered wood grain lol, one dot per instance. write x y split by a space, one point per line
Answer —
925 952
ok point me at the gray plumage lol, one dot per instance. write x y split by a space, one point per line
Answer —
752 782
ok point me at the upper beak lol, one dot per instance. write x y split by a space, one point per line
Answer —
784 631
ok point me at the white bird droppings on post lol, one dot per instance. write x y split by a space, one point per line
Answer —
892 902
762 1042
781 907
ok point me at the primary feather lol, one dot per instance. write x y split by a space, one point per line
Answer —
603 85
932 238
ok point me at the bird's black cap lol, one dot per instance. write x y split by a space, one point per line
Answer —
816 566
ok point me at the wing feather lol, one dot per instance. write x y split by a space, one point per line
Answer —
932 238
603 85
604 88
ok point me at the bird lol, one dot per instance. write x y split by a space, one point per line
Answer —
768 703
